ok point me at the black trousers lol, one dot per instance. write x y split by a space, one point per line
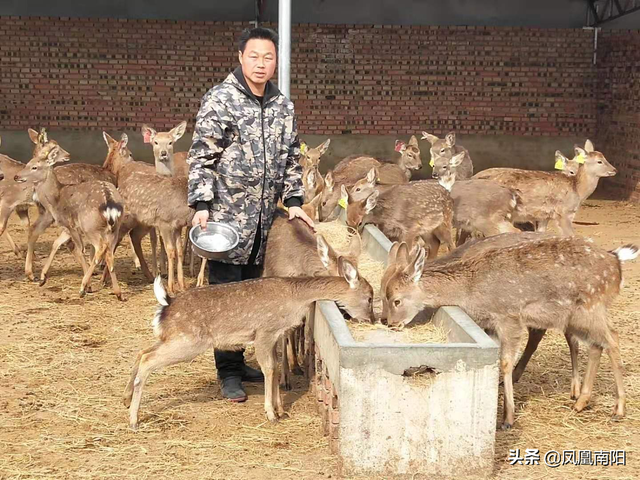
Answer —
231 363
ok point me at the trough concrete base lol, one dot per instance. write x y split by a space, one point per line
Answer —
402 409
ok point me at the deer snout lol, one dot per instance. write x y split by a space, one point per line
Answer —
18 179
1 176
164 154
613 171
384 321
435 175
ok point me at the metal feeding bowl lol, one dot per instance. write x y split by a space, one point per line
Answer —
215 242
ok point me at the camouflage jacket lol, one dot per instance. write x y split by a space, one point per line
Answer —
243 159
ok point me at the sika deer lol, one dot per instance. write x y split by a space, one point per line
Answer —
331 193
293 251
311 156
555 282
167 162
423 208
90 210
553 195
442 152
265 309
157 201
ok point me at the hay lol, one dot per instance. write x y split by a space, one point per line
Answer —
65 362
419 333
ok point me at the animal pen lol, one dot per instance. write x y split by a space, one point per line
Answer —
409 89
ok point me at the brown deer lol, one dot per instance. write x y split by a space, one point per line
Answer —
157 201
351 169
90 211
311 156
400 254
553 196
565 283
442 152
293 250
265 309
167 162
422 208
332 193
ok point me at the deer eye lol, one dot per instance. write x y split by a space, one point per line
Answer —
442 151
397 303
155 143
34 168
358 188
170 143
599 162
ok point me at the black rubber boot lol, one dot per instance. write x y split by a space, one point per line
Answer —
232 389
252 375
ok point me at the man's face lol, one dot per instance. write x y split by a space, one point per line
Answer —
258 60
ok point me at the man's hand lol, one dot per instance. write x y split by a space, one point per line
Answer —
297 212
200 218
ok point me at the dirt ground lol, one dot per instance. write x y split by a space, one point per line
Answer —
64 363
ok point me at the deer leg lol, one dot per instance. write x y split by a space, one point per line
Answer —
137 234
163 255
200 280
265 355
574 349
136 260
618 370
285 373
566 225
153 237
171 252
292 352
595 352
61 240
43 222
310 347
177 241
535 335
86 280
507 360
110 261
276 388
16 250
162 354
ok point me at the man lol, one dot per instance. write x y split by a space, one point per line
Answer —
244 157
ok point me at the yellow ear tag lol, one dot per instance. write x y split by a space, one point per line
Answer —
432 163
303 148
342 203
559 164
580 158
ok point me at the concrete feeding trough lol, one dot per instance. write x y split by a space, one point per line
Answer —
398 408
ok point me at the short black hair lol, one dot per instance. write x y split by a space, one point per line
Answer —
258 32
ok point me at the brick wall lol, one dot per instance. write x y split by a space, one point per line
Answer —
619 107
69 73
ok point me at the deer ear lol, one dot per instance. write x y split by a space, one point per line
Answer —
344 195
33 135
372 201
450 139
328 180
414 270
580 152
148 133
400 146
324 146
178 131
413 141
393 254
372 175
402 255
109 140
124 139
588 146
56 155
323 250
456 160
431 138
349 272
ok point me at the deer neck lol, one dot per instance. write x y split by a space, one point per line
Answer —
48 193
313 289
444 286
165 168
585 184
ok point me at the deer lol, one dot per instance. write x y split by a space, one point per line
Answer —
120 162
553 195
293 250
266 308
72 174
354 167
90 211
157 201
565 283
421 208
443 150
166 161
310 157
